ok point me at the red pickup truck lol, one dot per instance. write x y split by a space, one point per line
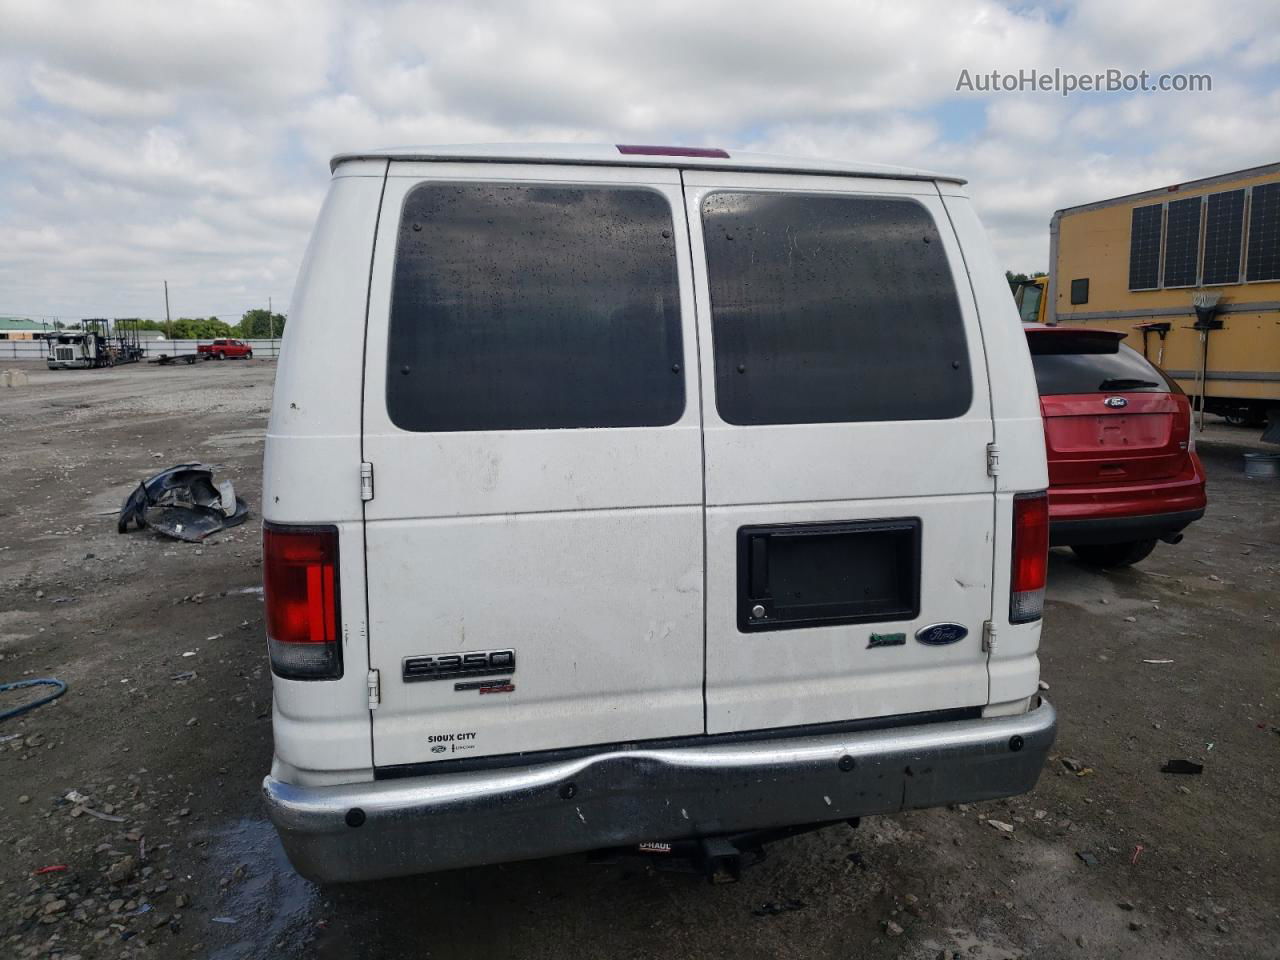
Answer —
225 347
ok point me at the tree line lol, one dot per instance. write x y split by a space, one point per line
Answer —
254 325
1017 278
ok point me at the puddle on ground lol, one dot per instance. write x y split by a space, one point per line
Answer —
265 909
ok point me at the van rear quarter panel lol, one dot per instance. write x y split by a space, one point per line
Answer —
1013 665
311 471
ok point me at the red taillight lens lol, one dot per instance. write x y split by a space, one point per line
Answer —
1030 556
300 585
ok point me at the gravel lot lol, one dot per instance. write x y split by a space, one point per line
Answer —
166 728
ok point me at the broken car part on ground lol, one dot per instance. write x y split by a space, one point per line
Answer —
184 503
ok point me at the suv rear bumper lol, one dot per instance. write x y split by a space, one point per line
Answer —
366 831
1064 533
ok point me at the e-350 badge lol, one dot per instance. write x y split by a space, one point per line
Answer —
464 667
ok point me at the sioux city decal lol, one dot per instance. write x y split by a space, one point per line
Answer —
452 742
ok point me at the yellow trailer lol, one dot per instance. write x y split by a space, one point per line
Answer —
1143 263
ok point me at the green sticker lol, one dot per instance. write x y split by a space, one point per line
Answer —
887 640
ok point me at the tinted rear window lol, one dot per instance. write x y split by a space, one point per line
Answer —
521 307
1065 364
831 309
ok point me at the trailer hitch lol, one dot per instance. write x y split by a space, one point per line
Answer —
721 858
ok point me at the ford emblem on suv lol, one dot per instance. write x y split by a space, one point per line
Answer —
1116 402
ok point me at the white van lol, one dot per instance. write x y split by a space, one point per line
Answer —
634 495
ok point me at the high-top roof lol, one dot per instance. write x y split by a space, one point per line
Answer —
641 156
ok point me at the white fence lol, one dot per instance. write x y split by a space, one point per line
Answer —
36 349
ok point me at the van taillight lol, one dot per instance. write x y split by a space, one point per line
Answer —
300 585
1030 556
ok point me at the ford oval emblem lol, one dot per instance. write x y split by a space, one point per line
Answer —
940 634
1116 402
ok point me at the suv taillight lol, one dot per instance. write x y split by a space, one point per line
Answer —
1030 556
300 585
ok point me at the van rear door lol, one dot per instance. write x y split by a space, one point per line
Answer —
531 417
849 521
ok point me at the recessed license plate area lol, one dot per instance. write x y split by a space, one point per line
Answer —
824 574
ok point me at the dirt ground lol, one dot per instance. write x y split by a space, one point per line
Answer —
166 730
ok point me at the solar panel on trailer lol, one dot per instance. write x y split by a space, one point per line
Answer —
1182 243
1144 248
1264 233
1223 232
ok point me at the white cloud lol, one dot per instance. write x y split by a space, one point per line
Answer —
151 140
261 52
94 97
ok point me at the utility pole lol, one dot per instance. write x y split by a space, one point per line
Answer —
168 324
271 325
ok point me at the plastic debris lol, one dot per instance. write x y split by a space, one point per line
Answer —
1178 765
773 908
103 816
183 502
52 868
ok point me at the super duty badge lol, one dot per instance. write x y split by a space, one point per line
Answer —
454 666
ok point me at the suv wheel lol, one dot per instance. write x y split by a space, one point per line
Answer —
1114 554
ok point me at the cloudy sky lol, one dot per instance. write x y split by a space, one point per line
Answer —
143 140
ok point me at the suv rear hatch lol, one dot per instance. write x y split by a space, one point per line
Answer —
1111 417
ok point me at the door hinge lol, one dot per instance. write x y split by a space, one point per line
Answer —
993 460
366 480
375 690
989 637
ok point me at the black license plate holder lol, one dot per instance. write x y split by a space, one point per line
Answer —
825 574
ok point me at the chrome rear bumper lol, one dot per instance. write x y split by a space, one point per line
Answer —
367 831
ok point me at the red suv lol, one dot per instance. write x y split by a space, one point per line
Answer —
1123 471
